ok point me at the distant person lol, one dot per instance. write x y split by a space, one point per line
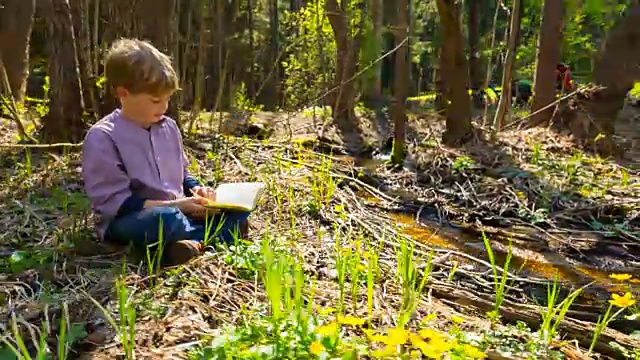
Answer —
564 80
134 165
522 90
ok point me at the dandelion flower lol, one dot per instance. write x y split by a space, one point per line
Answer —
326 311
473 352
316 348
429 334
373 337
622 301
397 336
620 277
327 330
350 320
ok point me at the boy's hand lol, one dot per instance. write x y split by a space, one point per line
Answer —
205 192
191 205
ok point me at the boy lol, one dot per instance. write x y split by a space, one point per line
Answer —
134 166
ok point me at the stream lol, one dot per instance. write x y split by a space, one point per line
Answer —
541 267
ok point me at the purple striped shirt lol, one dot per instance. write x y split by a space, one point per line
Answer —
124 164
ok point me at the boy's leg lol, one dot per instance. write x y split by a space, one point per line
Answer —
226 225
146 227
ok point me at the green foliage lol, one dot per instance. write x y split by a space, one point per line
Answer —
310 58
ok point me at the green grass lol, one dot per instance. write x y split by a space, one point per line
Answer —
322 278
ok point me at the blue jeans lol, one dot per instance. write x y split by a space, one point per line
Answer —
142 228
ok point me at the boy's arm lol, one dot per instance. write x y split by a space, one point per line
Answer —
105 181
189 183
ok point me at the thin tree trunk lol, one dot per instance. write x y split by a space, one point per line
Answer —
80 27
490 65
7 100
475 81
16 23
377 15
64 120
347 53
401 83
457 74
505 98
548 56
199 81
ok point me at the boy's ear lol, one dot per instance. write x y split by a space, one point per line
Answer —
121 92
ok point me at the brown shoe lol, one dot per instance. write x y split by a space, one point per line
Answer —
180 252
244 230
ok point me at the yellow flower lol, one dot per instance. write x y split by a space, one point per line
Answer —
622 301
327 330
436 348
397 336
457 319
350 320
429 334
326 311
429 317
373 337
473 352
620 277
316 348
635 281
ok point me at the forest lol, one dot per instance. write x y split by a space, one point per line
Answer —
445 179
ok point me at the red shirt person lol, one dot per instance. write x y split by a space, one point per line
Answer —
563 77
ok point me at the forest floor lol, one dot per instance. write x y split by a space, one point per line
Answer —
346 258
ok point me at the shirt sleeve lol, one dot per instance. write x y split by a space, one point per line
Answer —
106 183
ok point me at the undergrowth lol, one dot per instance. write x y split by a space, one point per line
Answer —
315 282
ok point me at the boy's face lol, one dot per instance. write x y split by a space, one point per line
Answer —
143 107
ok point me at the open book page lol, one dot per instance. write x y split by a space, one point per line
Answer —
241 196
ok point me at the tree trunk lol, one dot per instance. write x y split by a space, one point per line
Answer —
440 82
342 101
505 98
475 79
377 17
159 28
199 80
64 120
16 22
401 83
591 116
549 42
457 75
79 15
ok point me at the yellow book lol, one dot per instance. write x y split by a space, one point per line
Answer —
242 196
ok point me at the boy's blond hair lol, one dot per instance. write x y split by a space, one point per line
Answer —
139 67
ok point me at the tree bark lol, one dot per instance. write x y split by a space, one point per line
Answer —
377 17
158 26
342 101
401 83
591 116
548 56
475 77
457 74
79 15
16 23
505 98
64 120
